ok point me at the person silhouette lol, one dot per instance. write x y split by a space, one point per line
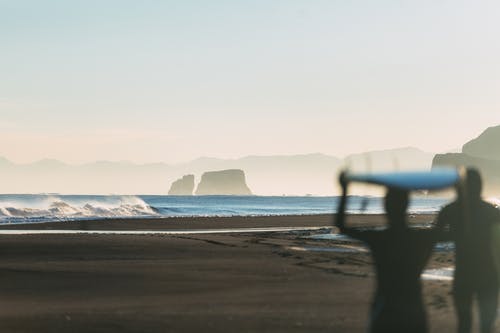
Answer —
470 221
400 254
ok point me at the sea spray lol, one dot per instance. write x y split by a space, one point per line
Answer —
36 208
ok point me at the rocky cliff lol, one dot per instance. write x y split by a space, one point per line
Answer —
183 186
224 182
487 145
483 153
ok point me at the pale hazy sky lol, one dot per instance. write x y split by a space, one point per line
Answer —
173 80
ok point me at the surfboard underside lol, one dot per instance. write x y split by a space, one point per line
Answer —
435 179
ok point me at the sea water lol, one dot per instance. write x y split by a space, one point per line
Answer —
22 208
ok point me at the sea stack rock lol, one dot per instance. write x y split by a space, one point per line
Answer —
183 186
224 182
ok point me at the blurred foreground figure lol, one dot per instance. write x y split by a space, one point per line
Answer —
400 254
470 221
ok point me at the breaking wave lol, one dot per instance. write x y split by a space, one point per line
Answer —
26 208
37 208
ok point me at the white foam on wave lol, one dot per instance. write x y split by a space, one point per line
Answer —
55 207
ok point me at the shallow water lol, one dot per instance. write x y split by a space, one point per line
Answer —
441 274
439 247
336 249
158 232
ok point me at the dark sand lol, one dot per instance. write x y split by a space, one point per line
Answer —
192 283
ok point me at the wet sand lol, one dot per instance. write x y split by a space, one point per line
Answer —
241 282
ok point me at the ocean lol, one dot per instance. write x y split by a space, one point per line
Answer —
26 208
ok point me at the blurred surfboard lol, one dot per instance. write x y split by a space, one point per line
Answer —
434 179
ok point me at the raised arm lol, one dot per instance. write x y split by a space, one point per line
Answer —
340 216
364 235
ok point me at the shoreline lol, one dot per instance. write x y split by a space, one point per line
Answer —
204 222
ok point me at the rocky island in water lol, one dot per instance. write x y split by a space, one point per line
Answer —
223 182
182 186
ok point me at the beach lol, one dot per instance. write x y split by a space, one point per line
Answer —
191 282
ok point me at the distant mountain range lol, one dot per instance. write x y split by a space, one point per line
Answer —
313 174
266 175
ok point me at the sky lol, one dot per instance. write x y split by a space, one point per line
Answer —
169 81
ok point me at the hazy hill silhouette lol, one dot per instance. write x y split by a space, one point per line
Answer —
483 153
486 145
265 175
407 158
